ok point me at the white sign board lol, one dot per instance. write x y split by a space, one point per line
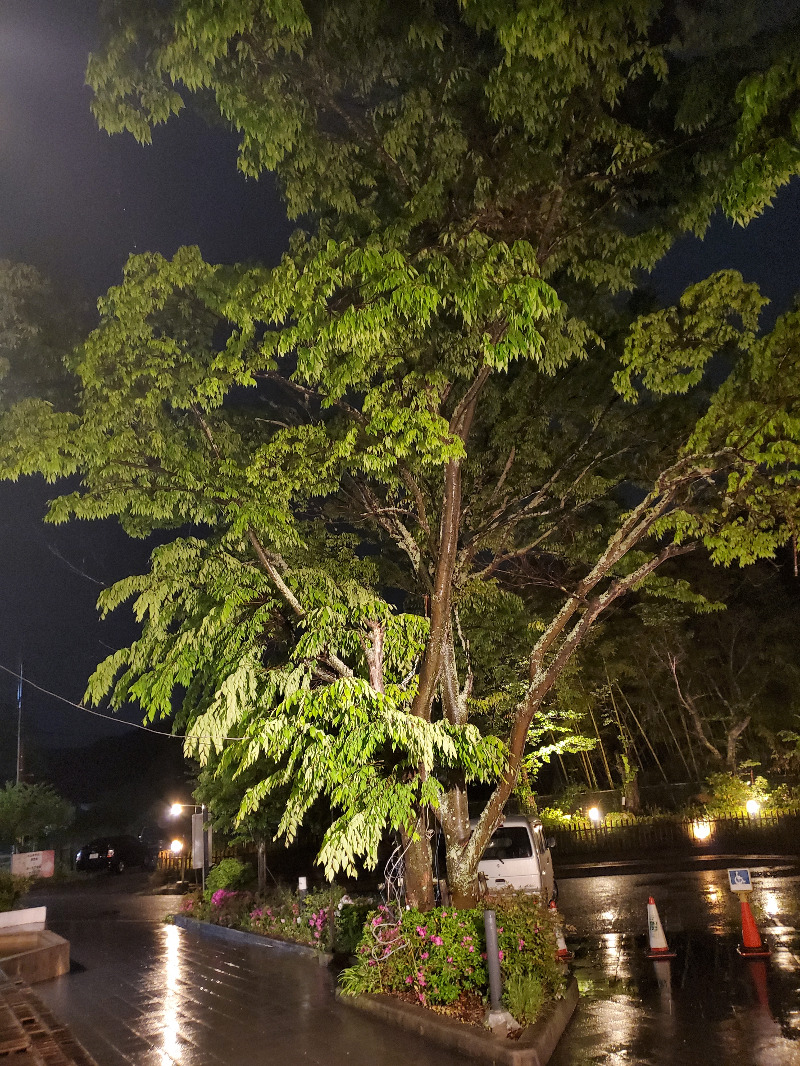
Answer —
740 881
33 863
201 843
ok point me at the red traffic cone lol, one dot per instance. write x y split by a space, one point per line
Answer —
658 942
751 946
563 954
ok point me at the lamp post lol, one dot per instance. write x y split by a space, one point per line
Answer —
201 837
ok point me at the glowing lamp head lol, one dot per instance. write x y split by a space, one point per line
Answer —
752 807
701 830
594 815
176 847
176 809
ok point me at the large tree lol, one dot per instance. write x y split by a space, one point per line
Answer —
29 813
436 388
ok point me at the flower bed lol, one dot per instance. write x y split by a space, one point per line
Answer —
285 916
438 959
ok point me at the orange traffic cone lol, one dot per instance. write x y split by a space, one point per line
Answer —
751 946
658 942
563 954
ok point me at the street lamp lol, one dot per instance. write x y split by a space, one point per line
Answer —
594 815
201 837
176 847
753 807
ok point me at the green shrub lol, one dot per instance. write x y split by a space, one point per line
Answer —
350 919
524 995
230 874
441 954
785 796
12 889
554 818
730 793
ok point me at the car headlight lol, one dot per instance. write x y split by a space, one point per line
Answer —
110 853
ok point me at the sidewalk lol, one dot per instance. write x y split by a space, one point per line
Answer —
30 1035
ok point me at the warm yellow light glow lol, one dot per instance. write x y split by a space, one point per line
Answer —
594 815
752 807
176 847
701 830
771 905
172 1050
176 809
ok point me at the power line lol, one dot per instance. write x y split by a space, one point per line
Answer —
96 714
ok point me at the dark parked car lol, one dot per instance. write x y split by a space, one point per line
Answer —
115 854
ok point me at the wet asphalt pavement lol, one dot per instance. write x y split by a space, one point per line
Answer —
708 1006
147 994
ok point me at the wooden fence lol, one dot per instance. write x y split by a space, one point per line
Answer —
770 832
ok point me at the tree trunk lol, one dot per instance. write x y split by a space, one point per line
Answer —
454 819
418 867
261 853
629 775
733 737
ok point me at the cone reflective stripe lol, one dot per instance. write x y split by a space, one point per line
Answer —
658 942
751 939
562 951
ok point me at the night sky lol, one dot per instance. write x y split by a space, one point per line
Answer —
75 203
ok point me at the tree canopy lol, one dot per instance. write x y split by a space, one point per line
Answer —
408 468
29 813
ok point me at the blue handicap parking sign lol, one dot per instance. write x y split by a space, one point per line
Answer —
740 880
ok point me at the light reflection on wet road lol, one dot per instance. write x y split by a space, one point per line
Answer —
146 994
709 1005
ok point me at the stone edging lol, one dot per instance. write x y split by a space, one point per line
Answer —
240 936
534 1047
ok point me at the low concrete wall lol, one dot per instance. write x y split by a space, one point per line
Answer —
239 936
534 1047
33 957
27 920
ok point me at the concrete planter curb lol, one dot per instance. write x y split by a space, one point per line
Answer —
240 936
34 956
534 1047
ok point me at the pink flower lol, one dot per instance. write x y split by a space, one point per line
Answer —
409 980
437 940
500 955
421 931
221 895
470 948
483 954
521 943
371 962
449 958
421 978
424 955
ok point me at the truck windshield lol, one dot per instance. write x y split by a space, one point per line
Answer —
509 842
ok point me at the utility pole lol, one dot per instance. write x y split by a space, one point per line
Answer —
19 723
